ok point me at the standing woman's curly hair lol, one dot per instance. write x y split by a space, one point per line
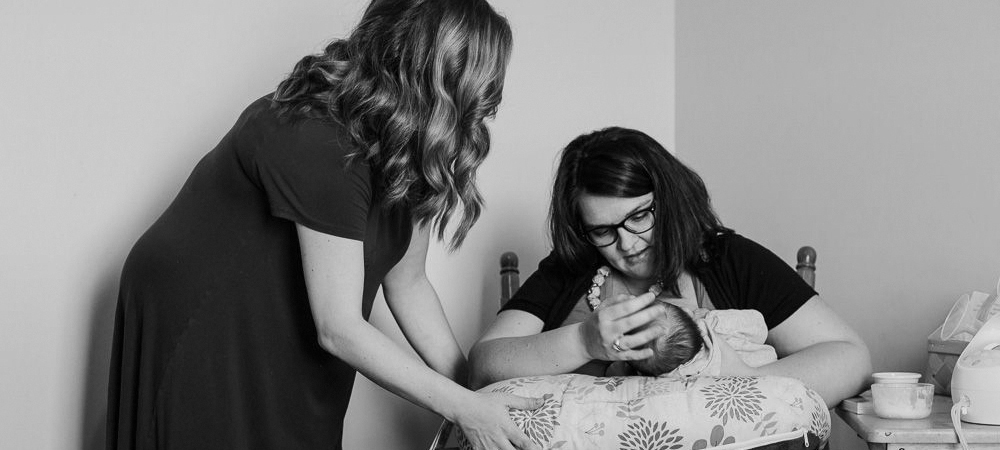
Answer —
621 162
413 84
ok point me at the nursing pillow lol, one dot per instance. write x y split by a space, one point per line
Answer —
648 413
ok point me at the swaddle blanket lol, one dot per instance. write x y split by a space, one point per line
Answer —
743 329
633 413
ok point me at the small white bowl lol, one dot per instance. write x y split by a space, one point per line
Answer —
896 377
902 400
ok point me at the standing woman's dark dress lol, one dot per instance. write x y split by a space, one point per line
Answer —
214 343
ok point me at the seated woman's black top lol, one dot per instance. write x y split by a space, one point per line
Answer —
737 274
214 343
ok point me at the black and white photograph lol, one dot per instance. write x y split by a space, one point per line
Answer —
500 225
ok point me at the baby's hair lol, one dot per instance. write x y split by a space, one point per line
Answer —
681 343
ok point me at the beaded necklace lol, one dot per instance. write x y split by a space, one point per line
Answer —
594 294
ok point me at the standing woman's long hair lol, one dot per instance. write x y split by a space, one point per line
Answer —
413 84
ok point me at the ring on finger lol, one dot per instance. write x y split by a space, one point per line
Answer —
617 346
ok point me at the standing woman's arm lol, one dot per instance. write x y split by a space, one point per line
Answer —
417 309
334 275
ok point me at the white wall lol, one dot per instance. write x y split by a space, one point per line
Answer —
869 130
108 105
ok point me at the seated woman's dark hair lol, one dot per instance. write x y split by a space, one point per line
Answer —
621 162
413 84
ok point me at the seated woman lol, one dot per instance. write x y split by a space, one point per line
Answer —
623 203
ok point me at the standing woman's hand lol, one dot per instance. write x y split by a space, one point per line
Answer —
605 333
487 425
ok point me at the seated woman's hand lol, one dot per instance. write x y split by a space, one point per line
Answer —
605 334
487 425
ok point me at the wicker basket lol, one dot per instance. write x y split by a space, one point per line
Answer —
941 359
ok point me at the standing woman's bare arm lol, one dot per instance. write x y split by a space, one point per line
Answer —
334 275
417 309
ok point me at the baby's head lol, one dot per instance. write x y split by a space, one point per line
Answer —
681 343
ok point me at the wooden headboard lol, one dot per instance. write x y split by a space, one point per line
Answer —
510 280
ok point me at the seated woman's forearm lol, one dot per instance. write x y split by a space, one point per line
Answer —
552 352
835 370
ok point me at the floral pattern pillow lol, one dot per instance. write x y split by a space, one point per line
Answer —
648 413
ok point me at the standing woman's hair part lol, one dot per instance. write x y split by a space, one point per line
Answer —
413 83
621 162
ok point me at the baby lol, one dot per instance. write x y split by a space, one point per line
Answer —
686 349
681 344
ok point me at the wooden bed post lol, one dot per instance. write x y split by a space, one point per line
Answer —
509 281
806 266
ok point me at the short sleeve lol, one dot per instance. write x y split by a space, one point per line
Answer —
747 275
544 293
301 167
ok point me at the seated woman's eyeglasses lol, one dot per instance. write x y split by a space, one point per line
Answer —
640 221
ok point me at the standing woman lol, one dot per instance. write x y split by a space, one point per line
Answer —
242 312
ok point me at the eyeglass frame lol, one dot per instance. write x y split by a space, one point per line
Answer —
614 227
